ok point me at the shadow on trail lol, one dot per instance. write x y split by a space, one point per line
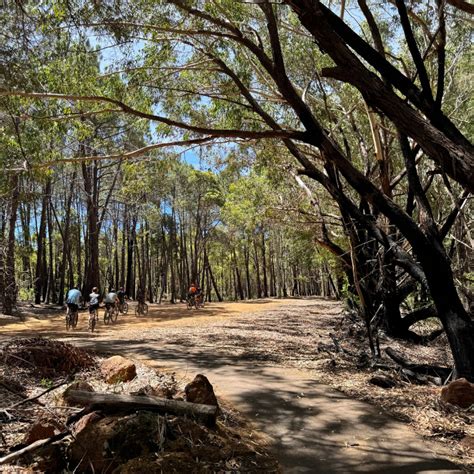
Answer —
313 428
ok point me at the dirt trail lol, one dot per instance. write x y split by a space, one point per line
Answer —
164 315
240 348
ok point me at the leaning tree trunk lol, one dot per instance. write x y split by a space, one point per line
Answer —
458 324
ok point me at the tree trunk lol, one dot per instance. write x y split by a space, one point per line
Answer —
247 272
257 270
66 249
10 288
211 275
92 275
40 276
131 237
264 267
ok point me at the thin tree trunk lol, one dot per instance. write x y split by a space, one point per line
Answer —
264 267
10 287
40 277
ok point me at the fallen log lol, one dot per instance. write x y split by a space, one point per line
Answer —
420 379
110 402
424 369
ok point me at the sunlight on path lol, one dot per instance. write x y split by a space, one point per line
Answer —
159 315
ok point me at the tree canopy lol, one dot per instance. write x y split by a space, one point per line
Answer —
334 142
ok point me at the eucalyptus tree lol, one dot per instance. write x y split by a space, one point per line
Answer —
213 71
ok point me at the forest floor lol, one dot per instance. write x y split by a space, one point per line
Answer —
277 362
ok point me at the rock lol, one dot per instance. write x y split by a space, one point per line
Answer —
200 391
459 393
39 430
85 421
93 440
79 385
112 441
117 369
382 381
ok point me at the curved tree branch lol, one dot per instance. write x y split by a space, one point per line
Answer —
156 118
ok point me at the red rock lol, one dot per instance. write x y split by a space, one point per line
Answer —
39 430
118 369
200 391
459 393
85 421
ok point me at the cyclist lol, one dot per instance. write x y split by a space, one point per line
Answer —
94 300
141 295
111 299
73 299
121 295
194 292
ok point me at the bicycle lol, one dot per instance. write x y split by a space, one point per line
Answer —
93 318
72 317
199 301
195 302
123 307
110 314
141 309
190 302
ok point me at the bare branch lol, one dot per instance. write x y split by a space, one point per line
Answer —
130 154
294 134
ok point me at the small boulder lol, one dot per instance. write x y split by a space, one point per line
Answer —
459 392
85 421
79 385
118 369
200 391
39 430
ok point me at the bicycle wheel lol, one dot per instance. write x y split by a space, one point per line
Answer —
114 315
137 310
125 308
91 324
106 317
145 309
75 318
68 322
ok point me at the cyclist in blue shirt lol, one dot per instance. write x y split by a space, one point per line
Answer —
73 299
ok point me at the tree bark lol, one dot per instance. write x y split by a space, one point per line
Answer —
10 287
40 276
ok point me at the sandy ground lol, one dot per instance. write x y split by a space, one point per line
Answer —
51 322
